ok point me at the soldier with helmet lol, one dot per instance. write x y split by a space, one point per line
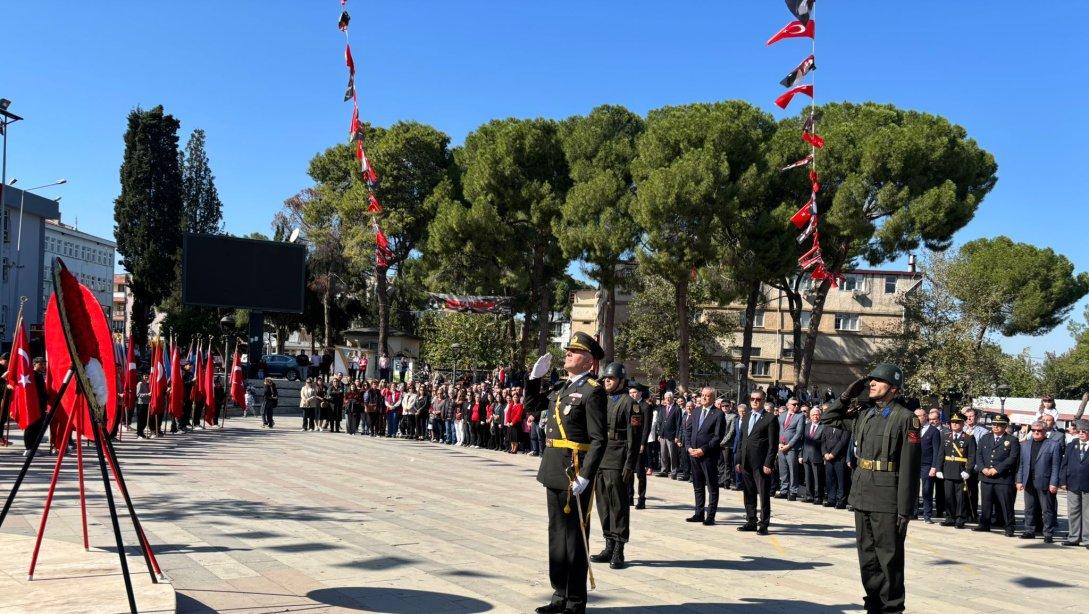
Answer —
624 431
885 480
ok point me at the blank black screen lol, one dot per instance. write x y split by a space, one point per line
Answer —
219 271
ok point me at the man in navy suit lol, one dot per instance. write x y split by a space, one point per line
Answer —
1074 477
757 437
1038 478
931 461
668 433
704 431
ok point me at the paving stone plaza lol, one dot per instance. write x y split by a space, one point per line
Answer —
251 520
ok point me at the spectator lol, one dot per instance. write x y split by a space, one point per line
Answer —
811 458
383 367
791 427
303 362
514 422
1074 477
669 429
272 397
1047 408
1038 479
931 458
143 399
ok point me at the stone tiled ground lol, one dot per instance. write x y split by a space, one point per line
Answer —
250 520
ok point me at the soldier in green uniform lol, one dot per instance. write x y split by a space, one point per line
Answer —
959 454
575 435
885 481
623 423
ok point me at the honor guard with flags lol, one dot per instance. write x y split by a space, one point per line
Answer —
624 431
238 380
24 402
574 417
885 481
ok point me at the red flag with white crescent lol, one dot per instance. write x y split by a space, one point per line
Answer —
25 405
158 380
238 381
91 345
783 100
177 387
209 388
129 394
795 29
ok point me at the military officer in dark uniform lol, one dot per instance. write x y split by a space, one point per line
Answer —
959 454
885 480
624 426
637 496
575 433
997 460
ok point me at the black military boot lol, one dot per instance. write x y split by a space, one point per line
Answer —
617 561
642 504
605 555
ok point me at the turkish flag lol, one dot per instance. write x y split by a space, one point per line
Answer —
373 206
129 391
177 386
197 392
84 326
348 59
813 139
795 29
158 381
365 167
783 100
804 161
801 218
209 386
25 405
238 381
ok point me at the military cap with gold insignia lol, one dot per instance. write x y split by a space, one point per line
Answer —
1001 420
582 342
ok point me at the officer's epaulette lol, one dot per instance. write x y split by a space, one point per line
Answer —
592 382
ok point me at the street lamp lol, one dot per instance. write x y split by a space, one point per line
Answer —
456 349
1003 391
19 235
739 369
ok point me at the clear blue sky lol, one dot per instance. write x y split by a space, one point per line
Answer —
265 80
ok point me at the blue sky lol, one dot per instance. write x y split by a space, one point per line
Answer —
265 80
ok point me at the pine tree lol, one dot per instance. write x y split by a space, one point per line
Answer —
148 213
203 210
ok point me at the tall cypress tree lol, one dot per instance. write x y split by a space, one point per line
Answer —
203 210
148 213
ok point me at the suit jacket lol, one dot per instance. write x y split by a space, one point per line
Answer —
708 436
790 434
669 425
811 444
1046 470
731 430
931 450
580 408
1074 473
758 448
834 441
1002 454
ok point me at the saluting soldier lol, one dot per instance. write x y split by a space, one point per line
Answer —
959 454
885 480
574 446
624 429
997 460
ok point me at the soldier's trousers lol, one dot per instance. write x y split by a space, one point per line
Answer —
640 480
567 560
611 494
956 500
991 495
881 560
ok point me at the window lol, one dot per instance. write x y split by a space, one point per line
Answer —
757 319
853 282
788 353
847 321
805 318
761 368
890 284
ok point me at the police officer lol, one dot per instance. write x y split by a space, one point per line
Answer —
575 432
624 428
997 460
959 454
885 480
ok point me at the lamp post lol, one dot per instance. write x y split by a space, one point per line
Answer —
19 233
1003 391
456 349
739 369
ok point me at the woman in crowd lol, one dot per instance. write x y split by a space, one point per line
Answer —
514 422
336 397
463 402
372 403
306 404
393 409
272 396
476 421
353 404
408 410
423 408
322 407
449 415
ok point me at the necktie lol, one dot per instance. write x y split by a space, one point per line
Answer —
752 421
813 431
703 415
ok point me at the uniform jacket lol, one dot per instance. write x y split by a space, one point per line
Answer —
931 455
874 434
950 450
758 448
708 436
624 429
580 407
790 434
1002 454
1046 471
1074 473
811 444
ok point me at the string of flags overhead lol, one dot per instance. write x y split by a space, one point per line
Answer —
807 218
382 252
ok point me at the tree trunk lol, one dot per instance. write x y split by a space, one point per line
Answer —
821 294
382 293
541 287
325 312
140 321
794 306
746 337
607 331
681 296
281 338
982 335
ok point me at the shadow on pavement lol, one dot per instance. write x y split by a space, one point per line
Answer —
746 563
396 600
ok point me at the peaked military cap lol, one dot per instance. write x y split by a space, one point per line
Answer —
582 342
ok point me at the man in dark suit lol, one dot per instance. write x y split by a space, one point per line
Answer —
997 457
669 429
930 462
834 444
811 458
1074 477
757 436
1038 478
704 432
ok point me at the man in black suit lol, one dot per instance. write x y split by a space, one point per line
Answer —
1074 477
669 432
834 444
811 458
930 459
756 456
704 432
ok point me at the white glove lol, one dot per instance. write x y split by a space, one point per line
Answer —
579 485
964 475
940 476
543 364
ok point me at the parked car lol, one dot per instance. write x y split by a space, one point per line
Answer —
279 365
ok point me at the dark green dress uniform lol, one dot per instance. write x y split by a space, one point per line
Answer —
959 454
884 485
579 406
1003 454
623 423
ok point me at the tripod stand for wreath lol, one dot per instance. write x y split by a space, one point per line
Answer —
80 354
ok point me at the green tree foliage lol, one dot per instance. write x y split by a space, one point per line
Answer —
1014 288
891 181
696 166
148 212
596 226
481 337
1066 374
200 200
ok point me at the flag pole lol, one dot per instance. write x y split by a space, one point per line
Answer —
68 426
226 380
79 471
145 545
6 427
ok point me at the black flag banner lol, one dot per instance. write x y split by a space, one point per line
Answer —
799 72
471 304
801 9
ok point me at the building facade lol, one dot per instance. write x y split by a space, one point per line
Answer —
89 258
121 311
21 260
